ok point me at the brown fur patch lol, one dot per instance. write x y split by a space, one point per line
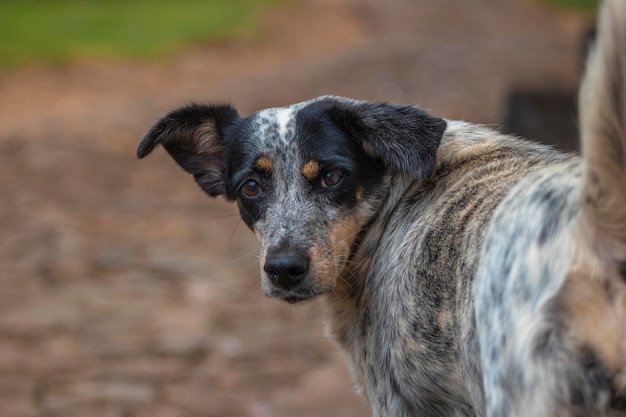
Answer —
322 266
463 147
264 163
594 317
342 236
359 194
311 170
343 302
329 261
206 138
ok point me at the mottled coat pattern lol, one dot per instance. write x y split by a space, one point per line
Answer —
465 272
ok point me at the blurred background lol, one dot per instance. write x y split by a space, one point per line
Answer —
125 291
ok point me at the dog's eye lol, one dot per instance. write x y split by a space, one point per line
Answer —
331 179
251 189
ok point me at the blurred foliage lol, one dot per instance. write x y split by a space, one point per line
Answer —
582 5
58 31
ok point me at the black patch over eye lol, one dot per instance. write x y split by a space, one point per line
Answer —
251 189
331 179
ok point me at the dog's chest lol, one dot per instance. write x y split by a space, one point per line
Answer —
403 344
405 375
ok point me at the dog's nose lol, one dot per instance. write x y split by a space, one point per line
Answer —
286 270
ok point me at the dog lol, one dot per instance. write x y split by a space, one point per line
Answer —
465 272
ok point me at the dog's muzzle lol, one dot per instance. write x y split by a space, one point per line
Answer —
286 270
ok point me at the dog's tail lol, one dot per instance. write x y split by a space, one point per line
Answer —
603 127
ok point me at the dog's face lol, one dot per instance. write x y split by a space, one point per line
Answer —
307 178
306 188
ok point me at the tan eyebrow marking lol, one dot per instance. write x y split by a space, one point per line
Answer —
311 170
264 163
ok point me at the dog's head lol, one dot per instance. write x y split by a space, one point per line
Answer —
307 178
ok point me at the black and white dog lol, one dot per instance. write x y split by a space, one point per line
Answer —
466 273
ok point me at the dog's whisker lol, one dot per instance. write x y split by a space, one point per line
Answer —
232 235
253 254
223 216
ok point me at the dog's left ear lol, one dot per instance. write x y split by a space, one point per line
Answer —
405 138
194 137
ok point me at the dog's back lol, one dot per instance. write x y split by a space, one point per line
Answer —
551 284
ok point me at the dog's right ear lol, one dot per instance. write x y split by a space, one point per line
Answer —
194 137
405 138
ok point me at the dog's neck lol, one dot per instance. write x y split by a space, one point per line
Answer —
346 301
460 143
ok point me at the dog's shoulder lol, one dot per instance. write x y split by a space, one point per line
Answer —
469 142
475 169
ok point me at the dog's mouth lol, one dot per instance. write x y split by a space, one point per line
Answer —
296 295
293 299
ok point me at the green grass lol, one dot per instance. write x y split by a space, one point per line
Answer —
578 5
43 32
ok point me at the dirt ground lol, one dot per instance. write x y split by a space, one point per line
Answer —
125 292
